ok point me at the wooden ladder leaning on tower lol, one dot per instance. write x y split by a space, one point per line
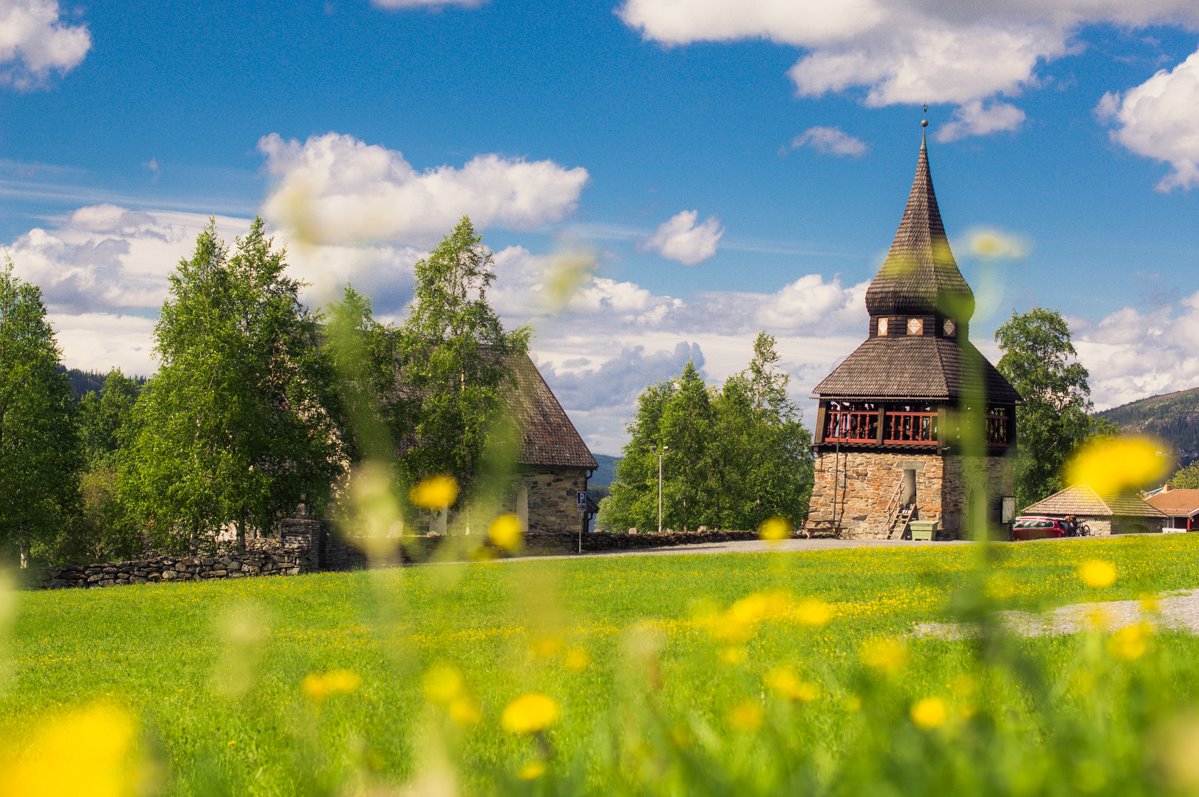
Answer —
899 514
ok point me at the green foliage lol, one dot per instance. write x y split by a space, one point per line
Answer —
1185 478
233 428
362 353
39 448
104 415
453 355
731 459
1040 362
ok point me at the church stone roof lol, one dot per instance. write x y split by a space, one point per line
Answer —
548 438
919 275
1081 500
916 367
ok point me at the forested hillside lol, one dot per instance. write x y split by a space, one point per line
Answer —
1172 417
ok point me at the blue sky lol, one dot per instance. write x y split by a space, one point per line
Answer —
707 168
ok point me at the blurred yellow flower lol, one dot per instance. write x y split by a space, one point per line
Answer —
545 646
1097 573
435 492
316 686
86 752
577 659
506 532
886 655
783 682
929 712
441 684
813 612
733 654
1130 642
531 771
745 716
775 529
1118 464
465 711
531 713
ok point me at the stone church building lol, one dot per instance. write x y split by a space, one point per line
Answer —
915 424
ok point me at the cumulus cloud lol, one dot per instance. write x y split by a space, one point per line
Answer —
830 141
35 43
683 240
1159 119
340 190
1132 355
964 52
976 118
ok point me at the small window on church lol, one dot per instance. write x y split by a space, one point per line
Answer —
882 327
950 328
915 326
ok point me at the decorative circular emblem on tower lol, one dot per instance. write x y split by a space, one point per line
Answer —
882 327
915 326
950 327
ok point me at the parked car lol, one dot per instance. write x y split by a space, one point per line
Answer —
1033 527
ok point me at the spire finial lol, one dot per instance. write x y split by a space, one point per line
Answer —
924 121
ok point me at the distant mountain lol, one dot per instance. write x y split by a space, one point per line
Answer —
1172 417
84 382
605 473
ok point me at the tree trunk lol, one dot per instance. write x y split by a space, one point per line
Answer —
241 536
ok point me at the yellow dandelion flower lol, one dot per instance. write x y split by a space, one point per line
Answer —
465 711
733 654
783 682
775 529
441 684
435 492
576 659
531 771
89 751
545 646
886 655
531 713
813 612
314 688
745 716
342 682
1097 573
1130 642
929 713
506 532
1118 464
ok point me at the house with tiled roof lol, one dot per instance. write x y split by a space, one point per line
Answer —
553 463
1181 507
1114 514
889 443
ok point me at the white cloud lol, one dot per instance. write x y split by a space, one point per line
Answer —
681 239
976 118
964 52
100 341
830 141
337 189
1132 355
34 42
1160 119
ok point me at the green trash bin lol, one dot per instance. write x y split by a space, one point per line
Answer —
923 529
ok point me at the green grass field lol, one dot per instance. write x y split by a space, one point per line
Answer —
660 687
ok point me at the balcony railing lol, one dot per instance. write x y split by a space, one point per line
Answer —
899 428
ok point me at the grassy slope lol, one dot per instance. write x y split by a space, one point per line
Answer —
164 650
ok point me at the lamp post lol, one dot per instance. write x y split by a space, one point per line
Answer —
661 451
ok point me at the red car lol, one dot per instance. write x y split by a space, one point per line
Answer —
1033 527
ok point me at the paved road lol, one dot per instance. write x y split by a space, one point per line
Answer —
758 546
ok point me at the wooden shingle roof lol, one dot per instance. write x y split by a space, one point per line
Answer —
916 367
1081 500
548 438
919 275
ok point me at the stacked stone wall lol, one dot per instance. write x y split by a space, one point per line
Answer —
853 490
552 496
181 568
987 479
